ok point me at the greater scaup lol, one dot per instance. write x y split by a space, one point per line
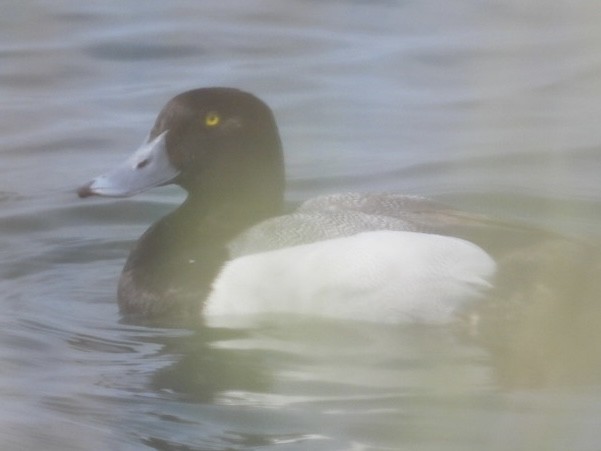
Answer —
377 257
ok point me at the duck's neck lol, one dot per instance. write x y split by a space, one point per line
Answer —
239 186
226 213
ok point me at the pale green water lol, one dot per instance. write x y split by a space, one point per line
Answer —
489 106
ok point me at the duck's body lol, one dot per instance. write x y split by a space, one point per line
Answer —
378 257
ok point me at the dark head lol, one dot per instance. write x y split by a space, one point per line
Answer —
222 146
219 144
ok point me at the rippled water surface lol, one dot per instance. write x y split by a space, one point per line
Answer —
491 106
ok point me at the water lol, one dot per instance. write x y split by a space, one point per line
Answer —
488 106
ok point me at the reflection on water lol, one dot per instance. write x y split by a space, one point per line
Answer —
489 107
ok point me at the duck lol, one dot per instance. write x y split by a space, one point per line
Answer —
231 249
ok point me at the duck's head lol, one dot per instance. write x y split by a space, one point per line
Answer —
219 144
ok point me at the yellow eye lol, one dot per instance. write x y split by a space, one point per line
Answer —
212 119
